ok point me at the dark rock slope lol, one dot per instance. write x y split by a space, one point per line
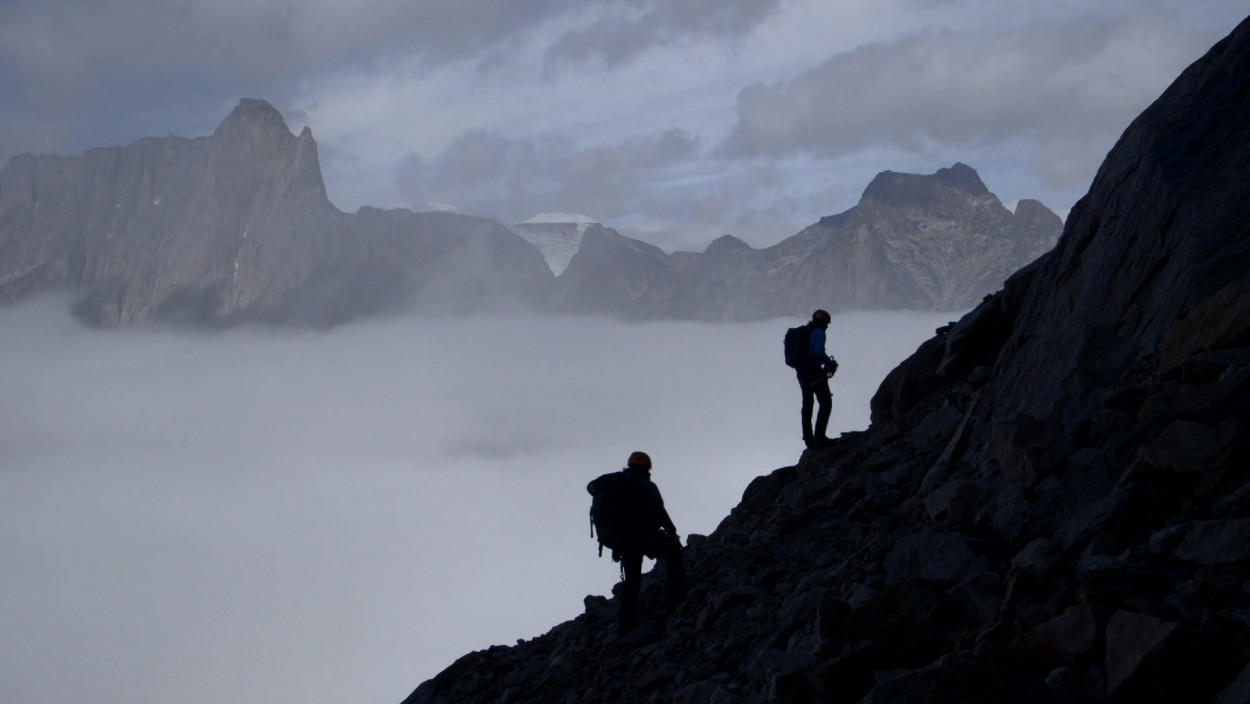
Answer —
1052 503
236 227
914 242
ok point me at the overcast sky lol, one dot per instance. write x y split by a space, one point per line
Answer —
259 515
676 122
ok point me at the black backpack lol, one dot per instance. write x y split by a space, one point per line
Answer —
614 506
797 344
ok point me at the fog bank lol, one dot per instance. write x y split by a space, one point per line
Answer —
262 515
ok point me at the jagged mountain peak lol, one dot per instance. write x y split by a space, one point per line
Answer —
936 242
725 244
1029 205
255 118
963 177
920 189
1034 211
237 227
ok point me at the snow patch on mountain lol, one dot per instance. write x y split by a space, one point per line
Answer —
557 235
560 219
434 207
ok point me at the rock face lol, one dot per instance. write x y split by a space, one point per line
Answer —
237 227
937 242
1052 503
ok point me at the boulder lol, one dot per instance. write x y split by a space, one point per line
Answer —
931 556
1184 446
1070 635
1132 639
1217 542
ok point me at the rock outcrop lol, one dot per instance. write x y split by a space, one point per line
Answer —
936 242
237 227
1052 503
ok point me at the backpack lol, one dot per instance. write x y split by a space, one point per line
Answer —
797 343
614 506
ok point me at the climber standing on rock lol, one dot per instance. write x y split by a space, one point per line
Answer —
628 513
805 353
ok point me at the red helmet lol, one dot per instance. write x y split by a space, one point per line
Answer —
821 316
639 459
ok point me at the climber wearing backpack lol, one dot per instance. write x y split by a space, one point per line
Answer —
628 514
805 352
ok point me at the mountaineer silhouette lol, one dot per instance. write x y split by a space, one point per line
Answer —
805 353
628 514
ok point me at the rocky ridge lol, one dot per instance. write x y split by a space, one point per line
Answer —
913 242
236 227
1052 503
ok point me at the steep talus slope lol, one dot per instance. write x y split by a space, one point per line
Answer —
235 227
1051 505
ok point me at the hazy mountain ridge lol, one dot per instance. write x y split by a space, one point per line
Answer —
236 227
1052 503
936 242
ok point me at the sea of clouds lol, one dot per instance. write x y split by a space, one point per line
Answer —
260 515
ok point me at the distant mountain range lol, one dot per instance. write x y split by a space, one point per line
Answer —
236 227
937 242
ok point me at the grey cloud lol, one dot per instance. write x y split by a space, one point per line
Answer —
68 39
1046 83
514 178
481 158
629 28
410 175
72 42
659 188
80 58
610 176
750 204
1065 160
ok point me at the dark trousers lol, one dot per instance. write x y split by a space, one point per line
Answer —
659 547
815 386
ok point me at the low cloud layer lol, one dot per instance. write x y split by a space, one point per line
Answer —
266 515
